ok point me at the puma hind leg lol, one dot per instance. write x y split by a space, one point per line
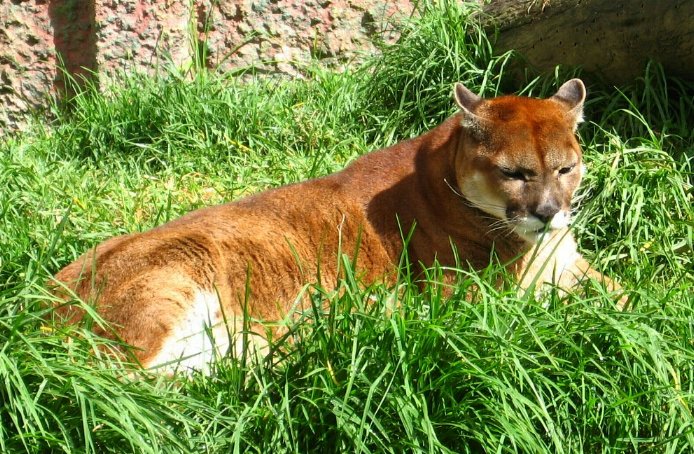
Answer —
179 325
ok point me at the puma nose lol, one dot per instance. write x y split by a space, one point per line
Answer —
546 212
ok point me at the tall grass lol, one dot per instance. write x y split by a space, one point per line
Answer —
439 371
410 83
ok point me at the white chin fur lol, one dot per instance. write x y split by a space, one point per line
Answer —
560 220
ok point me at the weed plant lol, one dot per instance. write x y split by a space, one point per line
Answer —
476 369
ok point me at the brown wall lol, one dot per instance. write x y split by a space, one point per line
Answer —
107 36
610 38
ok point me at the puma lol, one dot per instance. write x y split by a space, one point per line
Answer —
497 179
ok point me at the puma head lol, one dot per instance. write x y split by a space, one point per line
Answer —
520 161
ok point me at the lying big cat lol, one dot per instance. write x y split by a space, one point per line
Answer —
495 179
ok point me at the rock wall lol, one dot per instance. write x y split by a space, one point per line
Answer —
27 58
610 39
97 38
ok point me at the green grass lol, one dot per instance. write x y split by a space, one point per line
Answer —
436 374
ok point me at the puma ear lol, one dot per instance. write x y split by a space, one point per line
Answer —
572 94
467 101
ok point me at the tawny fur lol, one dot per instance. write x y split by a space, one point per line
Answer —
447 183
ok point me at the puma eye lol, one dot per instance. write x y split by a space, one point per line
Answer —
512 174
567 169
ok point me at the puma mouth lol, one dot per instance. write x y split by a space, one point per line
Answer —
532 225
540 231
531 236
530 231
543 228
